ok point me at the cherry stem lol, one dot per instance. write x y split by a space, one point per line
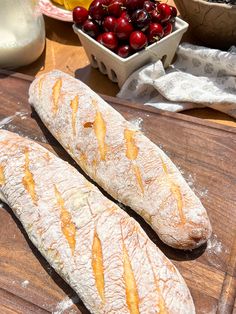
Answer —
156 38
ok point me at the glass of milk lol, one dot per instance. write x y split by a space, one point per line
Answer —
22 33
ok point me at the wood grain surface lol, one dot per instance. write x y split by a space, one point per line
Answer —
63 51
205 153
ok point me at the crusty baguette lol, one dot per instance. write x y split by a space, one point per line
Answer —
120 159
100 251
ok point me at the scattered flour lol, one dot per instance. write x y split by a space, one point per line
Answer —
24 283
214 245
22 114
11 127
190 179
181 171
138 123
215 251
169 154
37 138
202 193
5 121
65 304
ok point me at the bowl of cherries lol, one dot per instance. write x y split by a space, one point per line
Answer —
120 36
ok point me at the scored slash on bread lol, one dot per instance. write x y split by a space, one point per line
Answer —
99 250
120 159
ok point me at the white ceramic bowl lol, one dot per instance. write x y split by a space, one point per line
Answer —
119 69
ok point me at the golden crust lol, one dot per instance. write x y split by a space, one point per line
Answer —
100 251
122 160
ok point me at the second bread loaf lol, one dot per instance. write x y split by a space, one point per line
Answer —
102 253
120 159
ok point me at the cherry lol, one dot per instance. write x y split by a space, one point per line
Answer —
141 19
149 6
123 28
91 28
109 23
106 2
165 11
109 40
122 1
97 10
155 16
125 15
99 38
168 29
155 32
173 11
132 5
115 8
138 40
124 51
80 15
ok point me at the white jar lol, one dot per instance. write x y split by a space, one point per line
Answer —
22 33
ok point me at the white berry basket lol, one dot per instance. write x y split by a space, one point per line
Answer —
119 69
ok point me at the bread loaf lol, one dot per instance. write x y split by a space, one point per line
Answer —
101 252
120 159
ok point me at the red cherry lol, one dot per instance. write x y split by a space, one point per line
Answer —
80 15
125 15
109 24
155 16
138 40
173 11
123 28
91 28
97 10
149 6
141 19
109 40
132 5
124 51
168 28
165 11
121 1
99 39
155 32
115 8
106 2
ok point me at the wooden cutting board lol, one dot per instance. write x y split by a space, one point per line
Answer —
206 155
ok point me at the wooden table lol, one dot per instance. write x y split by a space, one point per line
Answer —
205 153
64 52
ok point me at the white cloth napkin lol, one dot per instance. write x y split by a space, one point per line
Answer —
200 77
